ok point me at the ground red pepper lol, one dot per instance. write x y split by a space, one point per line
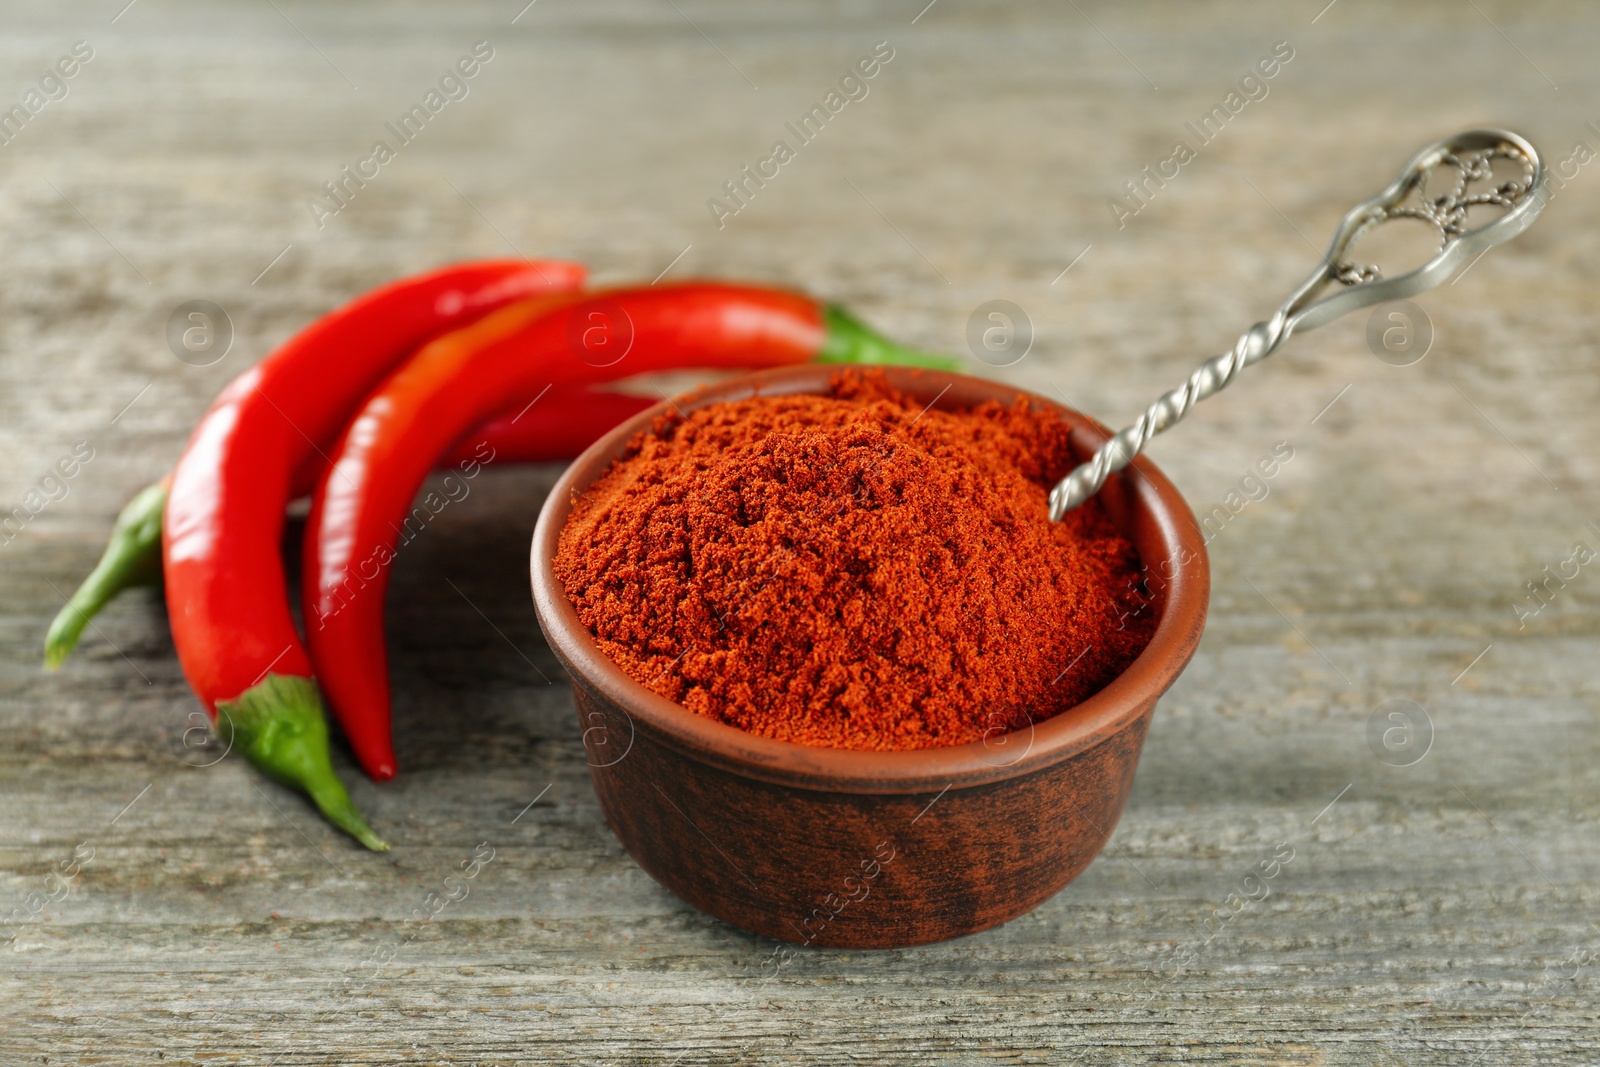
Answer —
853 571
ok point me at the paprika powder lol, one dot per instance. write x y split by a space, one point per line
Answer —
855 571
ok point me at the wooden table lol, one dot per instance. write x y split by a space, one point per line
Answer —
1436 911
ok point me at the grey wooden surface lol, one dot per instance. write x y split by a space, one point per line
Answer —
1441 912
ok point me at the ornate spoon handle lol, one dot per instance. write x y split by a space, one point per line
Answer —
1472 156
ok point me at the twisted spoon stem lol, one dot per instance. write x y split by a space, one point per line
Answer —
1255 344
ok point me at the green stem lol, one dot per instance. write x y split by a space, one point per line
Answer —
849 340
132 558
278 725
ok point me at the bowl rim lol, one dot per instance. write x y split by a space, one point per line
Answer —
1123 702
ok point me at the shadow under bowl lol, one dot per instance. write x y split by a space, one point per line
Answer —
873 849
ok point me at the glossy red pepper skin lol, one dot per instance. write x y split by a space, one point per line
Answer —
460 379
230 616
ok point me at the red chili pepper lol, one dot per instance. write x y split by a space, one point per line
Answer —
460 379
224 516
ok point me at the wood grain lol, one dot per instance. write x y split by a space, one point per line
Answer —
1438 913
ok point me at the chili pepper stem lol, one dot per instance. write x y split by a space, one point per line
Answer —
849 340
278 725
132 558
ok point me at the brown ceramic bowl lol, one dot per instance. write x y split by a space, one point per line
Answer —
873 849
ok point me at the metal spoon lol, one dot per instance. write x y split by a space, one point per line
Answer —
1472 155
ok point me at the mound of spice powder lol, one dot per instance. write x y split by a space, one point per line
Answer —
854 571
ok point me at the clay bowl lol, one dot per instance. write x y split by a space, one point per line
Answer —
868 849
